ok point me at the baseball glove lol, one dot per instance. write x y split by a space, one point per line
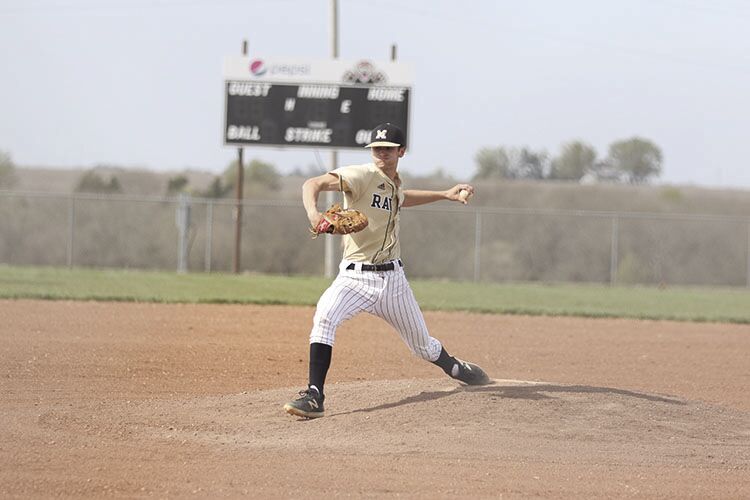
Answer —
336 220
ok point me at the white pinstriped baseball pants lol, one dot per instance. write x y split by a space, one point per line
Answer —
385 294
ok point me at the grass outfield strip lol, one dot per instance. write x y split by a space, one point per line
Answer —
683 304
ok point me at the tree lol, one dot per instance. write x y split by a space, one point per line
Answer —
492 163
229 176
256 174
528 164
638 159
92 182
265 174
8 176
511 163
575 160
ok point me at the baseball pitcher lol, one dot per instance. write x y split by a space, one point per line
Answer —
371 275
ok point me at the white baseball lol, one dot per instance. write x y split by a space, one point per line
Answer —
464 195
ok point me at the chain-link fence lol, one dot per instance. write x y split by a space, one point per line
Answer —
455 243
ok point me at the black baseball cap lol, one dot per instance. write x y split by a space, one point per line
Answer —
387 135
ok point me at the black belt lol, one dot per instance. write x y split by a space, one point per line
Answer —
389 266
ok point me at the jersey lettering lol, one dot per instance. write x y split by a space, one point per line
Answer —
381 202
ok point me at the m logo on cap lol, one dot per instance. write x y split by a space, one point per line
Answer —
386 135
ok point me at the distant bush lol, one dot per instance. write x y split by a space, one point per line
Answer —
8 176
512 163
92 182
177 184
217 189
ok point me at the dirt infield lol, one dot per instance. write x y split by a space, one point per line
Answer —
146 400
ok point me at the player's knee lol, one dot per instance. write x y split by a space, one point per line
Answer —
429 351
321 338
323 332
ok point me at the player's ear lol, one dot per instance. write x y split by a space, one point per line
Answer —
401 152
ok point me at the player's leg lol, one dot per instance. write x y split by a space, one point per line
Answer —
309 404
399 307
347 296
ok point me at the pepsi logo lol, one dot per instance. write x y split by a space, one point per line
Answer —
258 68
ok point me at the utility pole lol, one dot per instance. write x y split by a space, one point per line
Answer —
330 249
239 196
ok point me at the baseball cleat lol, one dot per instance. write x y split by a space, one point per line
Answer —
469 373
308 405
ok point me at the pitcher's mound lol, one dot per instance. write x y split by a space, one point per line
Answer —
509 419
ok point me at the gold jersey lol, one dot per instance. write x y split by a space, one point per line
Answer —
367 189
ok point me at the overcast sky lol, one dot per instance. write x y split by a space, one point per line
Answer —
138 83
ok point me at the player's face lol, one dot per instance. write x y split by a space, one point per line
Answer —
387 155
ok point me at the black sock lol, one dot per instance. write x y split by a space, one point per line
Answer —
320 360
446 362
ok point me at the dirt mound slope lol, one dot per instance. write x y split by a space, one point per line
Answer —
429 425
506 420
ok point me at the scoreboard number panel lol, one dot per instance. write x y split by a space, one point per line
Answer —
310 115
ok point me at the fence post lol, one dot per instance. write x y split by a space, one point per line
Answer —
747 266
71 229
477 243
613 256
183 228
209 235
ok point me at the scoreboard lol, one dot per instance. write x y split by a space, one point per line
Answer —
329 104
310 115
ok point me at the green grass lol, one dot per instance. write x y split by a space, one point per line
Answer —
588 300
684 304
150 286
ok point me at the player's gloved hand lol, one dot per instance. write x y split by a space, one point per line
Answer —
336 220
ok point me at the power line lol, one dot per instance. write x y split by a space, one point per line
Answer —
100 6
